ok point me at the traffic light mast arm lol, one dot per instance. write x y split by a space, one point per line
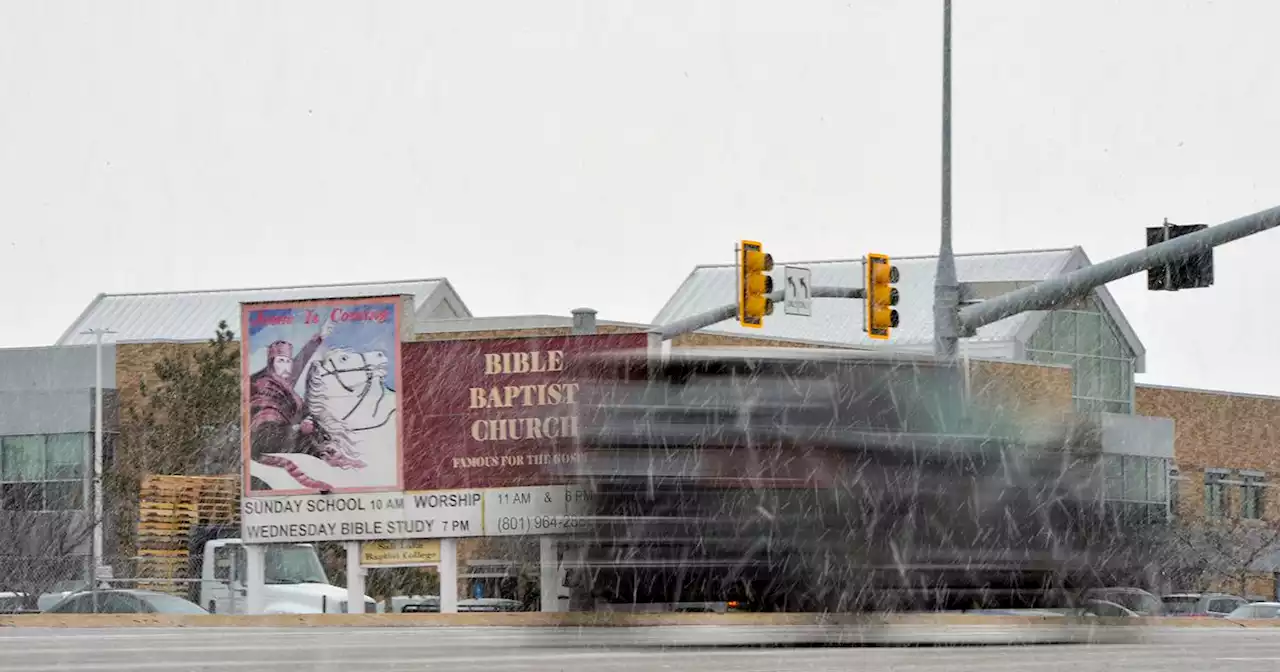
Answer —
730 311
1056 291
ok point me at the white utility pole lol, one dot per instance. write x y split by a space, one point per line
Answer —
97 454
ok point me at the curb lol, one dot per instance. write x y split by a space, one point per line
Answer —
588 620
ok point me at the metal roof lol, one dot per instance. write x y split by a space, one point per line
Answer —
510 323
839 321
192 316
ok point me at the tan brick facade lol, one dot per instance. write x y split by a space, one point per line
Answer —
136 362
1217 430
1018 387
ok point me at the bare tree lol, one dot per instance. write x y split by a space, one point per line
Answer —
43 548
1208 553
185 422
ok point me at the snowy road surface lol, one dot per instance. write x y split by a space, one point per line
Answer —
501 649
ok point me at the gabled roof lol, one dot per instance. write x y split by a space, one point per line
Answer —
839 321
192 316
512 323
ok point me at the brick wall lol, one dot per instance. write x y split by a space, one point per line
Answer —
1217 430
136 362
1017 387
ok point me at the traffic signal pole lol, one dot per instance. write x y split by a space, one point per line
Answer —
1054 292
728 311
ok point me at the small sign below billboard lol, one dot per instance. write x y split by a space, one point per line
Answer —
400 553
798 293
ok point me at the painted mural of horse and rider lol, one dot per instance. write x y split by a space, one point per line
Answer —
339 432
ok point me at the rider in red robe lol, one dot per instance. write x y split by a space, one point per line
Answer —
276 411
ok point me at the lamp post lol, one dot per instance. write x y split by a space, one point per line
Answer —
96 560
946 289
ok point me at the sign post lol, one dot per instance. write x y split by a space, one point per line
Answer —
355 579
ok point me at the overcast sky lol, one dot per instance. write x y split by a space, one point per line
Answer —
551 154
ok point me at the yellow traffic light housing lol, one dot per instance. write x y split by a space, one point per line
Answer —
878 315
754 284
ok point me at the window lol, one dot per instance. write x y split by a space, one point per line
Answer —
1083 336
23 458
1215 494
1252 496
42 472
1113 473
1135 478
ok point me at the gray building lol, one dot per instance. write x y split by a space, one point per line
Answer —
46 452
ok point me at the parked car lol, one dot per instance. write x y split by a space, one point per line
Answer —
1108 609
1136 600
14 603
1256 610
419 604
1214 605
125 602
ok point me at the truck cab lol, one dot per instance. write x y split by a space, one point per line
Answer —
295 580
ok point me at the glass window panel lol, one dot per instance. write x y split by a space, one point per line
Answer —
22 496
64 455
1117 407
1064 331
1087 378
1088 334
1113 473
64 496
1043 338
1157 479
1135 478
1109 376
1215 495
1110 340
22 459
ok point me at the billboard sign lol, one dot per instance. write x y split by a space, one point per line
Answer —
368 516
494 413
320 391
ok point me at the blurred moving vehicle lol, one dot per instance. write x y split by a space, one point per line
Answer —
805 480
125 602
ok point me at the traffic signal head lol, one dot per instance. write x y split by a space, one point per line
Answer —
754 284
879 315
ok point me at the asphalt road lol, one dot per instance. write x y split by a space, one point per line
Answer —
501 649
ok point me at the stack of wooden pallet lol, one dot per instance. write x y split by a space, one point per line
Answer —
169 508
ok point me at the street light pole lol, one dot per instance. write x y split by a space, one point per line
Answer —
96 560
946 289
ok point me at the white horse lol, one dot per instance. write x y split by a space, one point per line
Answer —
355 425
